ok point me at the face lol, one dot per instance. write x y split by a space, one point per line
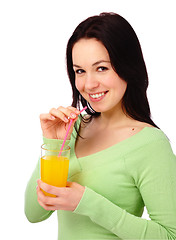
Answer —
95 78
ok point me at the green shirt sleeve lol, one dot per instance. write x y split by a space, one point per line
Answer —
33 211
153 168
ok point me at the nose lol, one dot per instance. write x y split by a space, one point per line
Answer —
91 82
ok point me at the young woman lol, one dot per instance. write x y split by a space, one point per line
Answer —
120 160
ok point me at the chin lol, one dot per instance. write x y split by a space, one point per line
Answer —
106 109
99 109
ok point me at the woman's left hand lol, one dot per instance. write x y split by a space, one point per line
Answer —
67 198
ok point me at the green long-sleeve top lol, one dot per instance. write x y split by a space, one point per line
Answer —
119 181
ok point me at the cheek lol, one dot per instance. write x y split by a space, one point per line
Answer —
118 84
122 87
79 85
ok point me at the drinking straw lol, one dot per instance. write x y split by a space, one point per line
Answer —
69 126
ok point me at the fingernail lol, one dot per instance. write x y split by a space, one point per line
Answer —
52 117
65 119
73 115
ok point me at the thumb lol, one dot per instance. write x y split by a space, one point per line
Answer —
69 184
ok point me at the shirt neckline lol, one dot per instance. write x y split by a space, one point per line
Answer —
119 144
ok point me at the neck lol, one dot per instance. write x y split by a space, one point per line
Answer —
113 118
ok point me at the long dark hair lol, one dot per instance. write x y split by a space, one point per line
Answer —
126 58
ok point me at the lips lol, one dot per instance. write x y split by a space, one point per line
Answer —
97 96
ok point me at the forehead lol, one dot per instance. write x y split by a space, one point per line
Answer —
89 51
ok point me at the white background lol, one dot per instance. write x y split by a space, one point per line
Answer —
33 79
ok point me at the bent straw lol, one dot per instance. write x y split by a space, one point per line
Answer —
69 126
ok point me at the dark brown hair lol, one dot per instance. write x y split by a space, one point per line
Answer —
126 57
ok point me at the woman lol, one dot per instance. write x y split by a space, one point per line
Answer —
120 160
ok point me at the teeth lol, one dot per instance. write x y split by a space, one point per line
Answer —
97 95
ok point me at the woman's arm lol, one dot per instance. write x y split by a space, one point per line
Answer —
154 171
33 211
54 126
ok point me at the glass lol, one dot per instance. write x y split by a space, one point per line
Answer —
54 165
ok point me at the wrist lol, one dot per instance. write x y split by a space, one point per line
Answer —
49 136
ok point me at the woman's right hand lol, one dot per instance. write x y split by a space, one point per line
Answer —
55 123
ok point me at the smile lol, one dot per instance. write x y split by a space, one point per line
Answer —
97 96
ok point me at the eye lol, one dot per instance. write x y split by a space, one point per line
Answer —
79 71
102 69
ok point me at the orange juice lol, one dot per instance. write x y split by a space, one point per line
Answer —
54 171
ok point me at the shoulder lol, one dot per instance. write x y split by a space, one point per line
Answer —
143 134
148 140
152 153
152 147
154 135
153 138
148 133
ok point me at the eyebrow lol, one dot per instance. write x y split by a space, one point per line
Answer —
94 64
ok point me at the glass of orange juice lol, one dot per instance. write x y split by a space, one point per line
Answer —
54 165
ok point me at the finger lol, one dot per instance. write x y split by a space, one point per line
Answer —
46 116
40 198
74 185
45 200
69 112
63 113
74 110
58 114
58 191
69 184
40 195
47 207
